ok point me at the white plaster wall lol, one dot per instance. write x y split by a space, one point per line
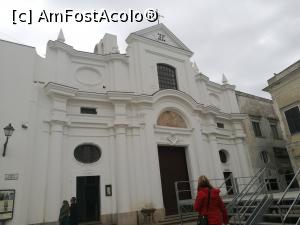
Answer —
72 168
144 59
17 106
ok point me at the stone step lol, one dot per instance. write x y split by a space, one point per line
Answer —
270 223
174 219
91 223
291 215
183 215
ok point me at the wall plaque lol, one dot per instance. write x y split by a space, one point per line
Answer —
7 200
12 176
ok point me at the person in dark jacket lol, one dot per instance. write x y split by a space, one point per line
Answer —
64 213
215 211
73 212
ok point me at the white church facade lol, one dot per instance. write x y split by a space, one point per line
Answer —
115 130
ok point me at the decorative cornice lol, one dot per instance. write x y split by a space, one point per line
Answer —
59 89
161 26
87 55
281 76
149 41
201 76
64 91
240 93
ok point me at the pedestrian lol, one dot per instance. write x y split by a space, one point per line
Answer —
209 204
74 212
64 213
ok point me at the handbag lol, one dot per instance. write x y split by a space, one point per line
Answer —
203 220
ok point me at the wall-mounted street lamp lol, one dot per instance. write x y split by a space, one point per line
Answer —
8 131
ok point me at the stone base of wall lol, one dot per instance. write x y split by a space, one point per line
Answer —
129 218
47 223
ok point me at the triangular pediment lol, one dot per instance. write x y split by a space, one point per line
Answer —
160 33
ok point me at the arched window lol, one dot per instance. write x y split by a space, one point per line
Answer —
166 76
171 119
87 153
264 156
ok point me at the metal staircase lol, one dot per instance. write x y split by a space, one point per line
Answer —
248 203
248 206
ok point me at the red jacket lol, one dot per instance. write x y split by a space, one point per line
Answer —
216 211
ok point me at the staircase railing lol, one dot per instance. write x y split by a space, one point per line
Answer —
238 197
253 190
284 217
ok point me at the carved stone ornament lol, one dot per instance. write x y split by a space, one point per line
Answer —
172 139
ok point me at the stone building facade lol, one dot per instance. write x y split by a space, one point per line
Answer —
284 88
265 139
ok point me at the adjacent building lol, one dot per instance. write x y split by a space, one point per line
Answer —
265 140
285 90
115 130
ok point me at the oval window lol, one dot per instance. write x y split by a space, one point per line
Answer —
87 153
223 156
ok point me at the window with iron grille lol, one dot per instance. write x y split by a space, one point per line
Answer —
87 153
220 125
264 155
274 131
256 129
293 119
166 77
88 110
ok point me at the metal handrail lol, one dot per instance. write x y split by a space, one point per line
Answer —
256 194
249 184
282 197
258 190
288 187
290 208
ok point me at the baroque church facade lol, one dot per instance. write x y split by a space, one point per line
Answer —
115 130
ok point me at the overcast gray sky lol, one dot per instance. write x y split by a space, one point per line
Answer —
247 40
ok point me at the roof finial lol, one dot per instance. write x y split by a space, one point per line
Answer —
195 67
224 79
61 36
158 15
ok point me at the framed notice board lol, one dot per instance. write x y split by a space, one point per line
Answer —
7 201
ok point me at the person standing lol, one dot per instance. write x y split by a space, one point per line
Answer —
209 203
64 213
74 212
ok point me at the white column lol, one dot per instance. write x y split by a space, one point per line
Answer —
113 171
243 157
215 154
123 191
146 170
204 159
139 169
153 165
53 192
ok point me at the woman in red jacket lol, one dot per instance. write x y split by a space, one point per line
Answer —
215 211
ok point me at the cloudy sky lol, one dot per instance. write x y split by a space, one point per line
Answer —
247 40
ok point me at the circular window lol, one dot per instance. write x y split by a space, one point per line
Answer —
87 153
223 156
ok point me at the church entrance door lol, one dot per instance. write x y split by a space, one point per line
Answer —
88 198
173 167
